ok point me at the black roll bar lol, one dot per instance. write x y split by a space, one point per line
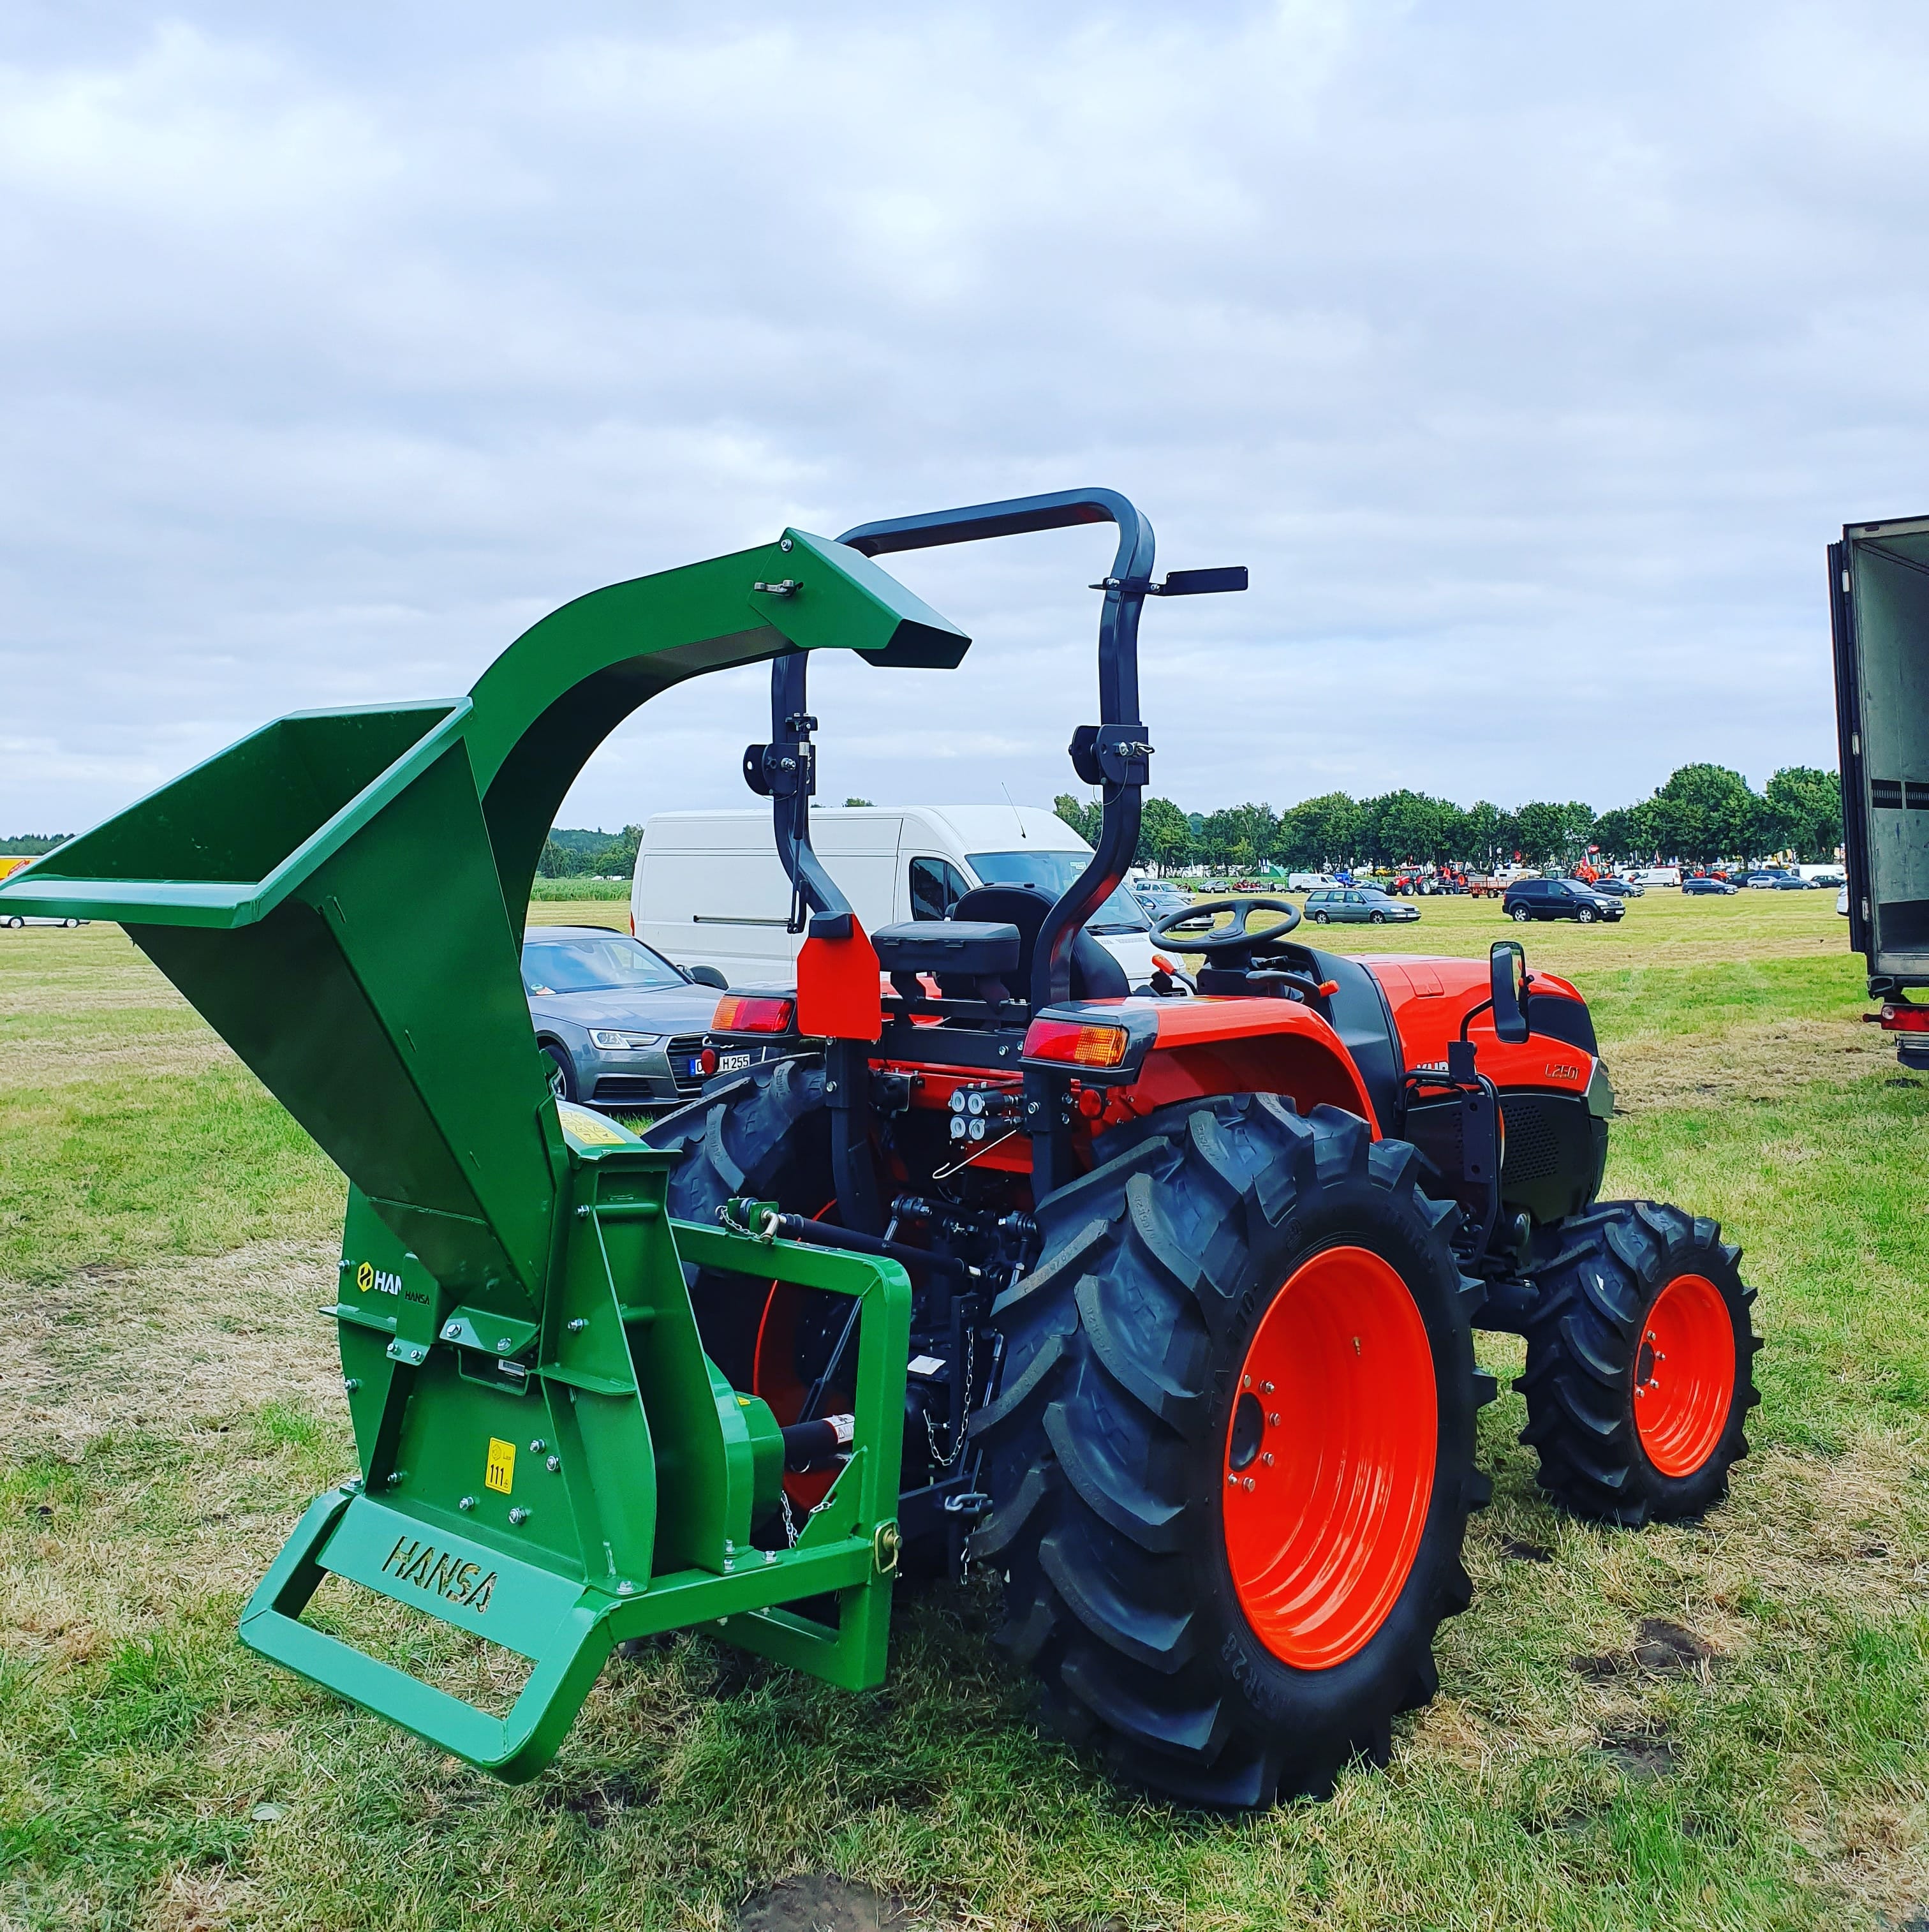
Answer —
1113 753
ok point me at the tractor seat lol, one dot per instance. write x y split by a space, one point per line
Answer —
972 958
982 948
1095 974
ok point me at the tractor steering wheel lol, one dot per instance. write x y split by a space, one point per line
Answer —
1236 937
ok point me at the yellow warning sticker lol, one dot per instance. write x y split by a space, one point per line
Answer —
592 1129
502 1470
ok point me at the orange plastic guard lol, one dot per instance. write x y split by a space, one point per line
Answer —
838 988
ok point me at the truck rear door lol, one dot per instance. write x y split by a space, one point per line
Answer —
1879 600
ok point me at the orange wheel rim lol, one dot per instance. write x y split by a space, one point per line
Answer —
1684 1375
1329 1458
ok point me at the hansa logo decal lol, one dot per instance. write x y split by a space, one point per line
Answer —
441 1574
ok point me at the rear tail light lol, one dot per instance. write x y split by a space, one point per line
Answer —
1905 1018
632 926
1079 1046
744 1012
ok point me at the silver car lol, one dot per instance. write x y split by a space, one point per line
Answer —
1361 905
620 1026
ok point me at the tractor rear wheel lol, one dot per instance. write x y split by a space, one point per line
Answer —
1231 1458
1640 1363
763 1135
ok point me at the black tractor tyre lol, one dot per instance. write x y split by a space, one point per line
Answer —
562 1074
761 1134
1602 1276
1110 1442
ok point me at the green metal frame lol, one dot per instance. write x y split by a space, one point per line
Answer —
565 1609
548 1458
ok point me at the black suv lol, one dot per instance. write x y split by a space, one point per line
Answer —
1558 899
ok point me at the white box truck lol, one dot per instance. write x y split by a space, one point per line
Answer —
709 889
1879 608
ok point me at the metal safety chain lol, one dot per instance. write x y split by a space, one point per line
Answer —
944 1461
792 1529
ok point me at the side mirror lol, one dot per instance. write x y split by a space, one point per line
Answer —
708 975
1508 958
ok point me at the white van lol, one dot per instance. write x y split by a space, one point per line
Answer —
1656 875
709 890
1309 882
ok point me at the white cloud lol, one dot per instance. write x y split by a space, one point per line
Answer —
1527 357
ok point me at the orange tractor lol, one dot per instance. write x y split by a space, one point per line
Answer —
1195 1276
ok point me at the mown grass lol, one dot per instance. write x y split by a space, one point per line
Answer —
168 1404
129 1130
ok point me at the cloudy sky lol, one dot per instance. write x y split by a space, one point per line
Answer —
1528 355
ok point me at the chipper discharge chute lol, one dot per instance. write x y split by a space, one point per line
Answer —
1161 1305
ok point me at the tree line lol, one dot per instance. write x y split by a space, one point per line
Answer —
1703 813
568 854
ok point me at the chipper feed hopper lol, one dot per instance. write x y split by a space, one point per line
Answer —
1160 1305
547 1458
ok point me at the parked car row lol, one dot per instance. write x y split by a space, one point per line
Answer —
623 1023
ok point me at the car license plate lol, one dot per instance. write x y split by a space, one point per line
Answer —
726 1063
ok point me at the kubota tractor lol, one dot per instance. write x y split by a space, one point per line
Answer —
1197 1278
1162 1307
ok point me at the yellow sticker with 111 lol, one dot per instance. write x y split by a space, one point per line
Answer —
502 1470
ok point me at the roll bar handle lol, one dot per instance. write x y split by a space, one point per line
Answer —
1114 755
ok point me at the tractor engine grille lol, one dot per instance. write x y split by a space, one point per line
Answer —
1555 1149
682 1050
1534 1141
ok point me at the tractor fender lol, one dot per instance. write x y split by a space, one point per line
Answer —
1249 1045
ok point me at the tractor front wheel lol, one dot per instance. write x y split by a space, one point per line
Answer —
1640 1363
1231 1457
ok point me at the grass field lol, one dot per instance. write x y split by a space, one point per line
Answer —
1712 1726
